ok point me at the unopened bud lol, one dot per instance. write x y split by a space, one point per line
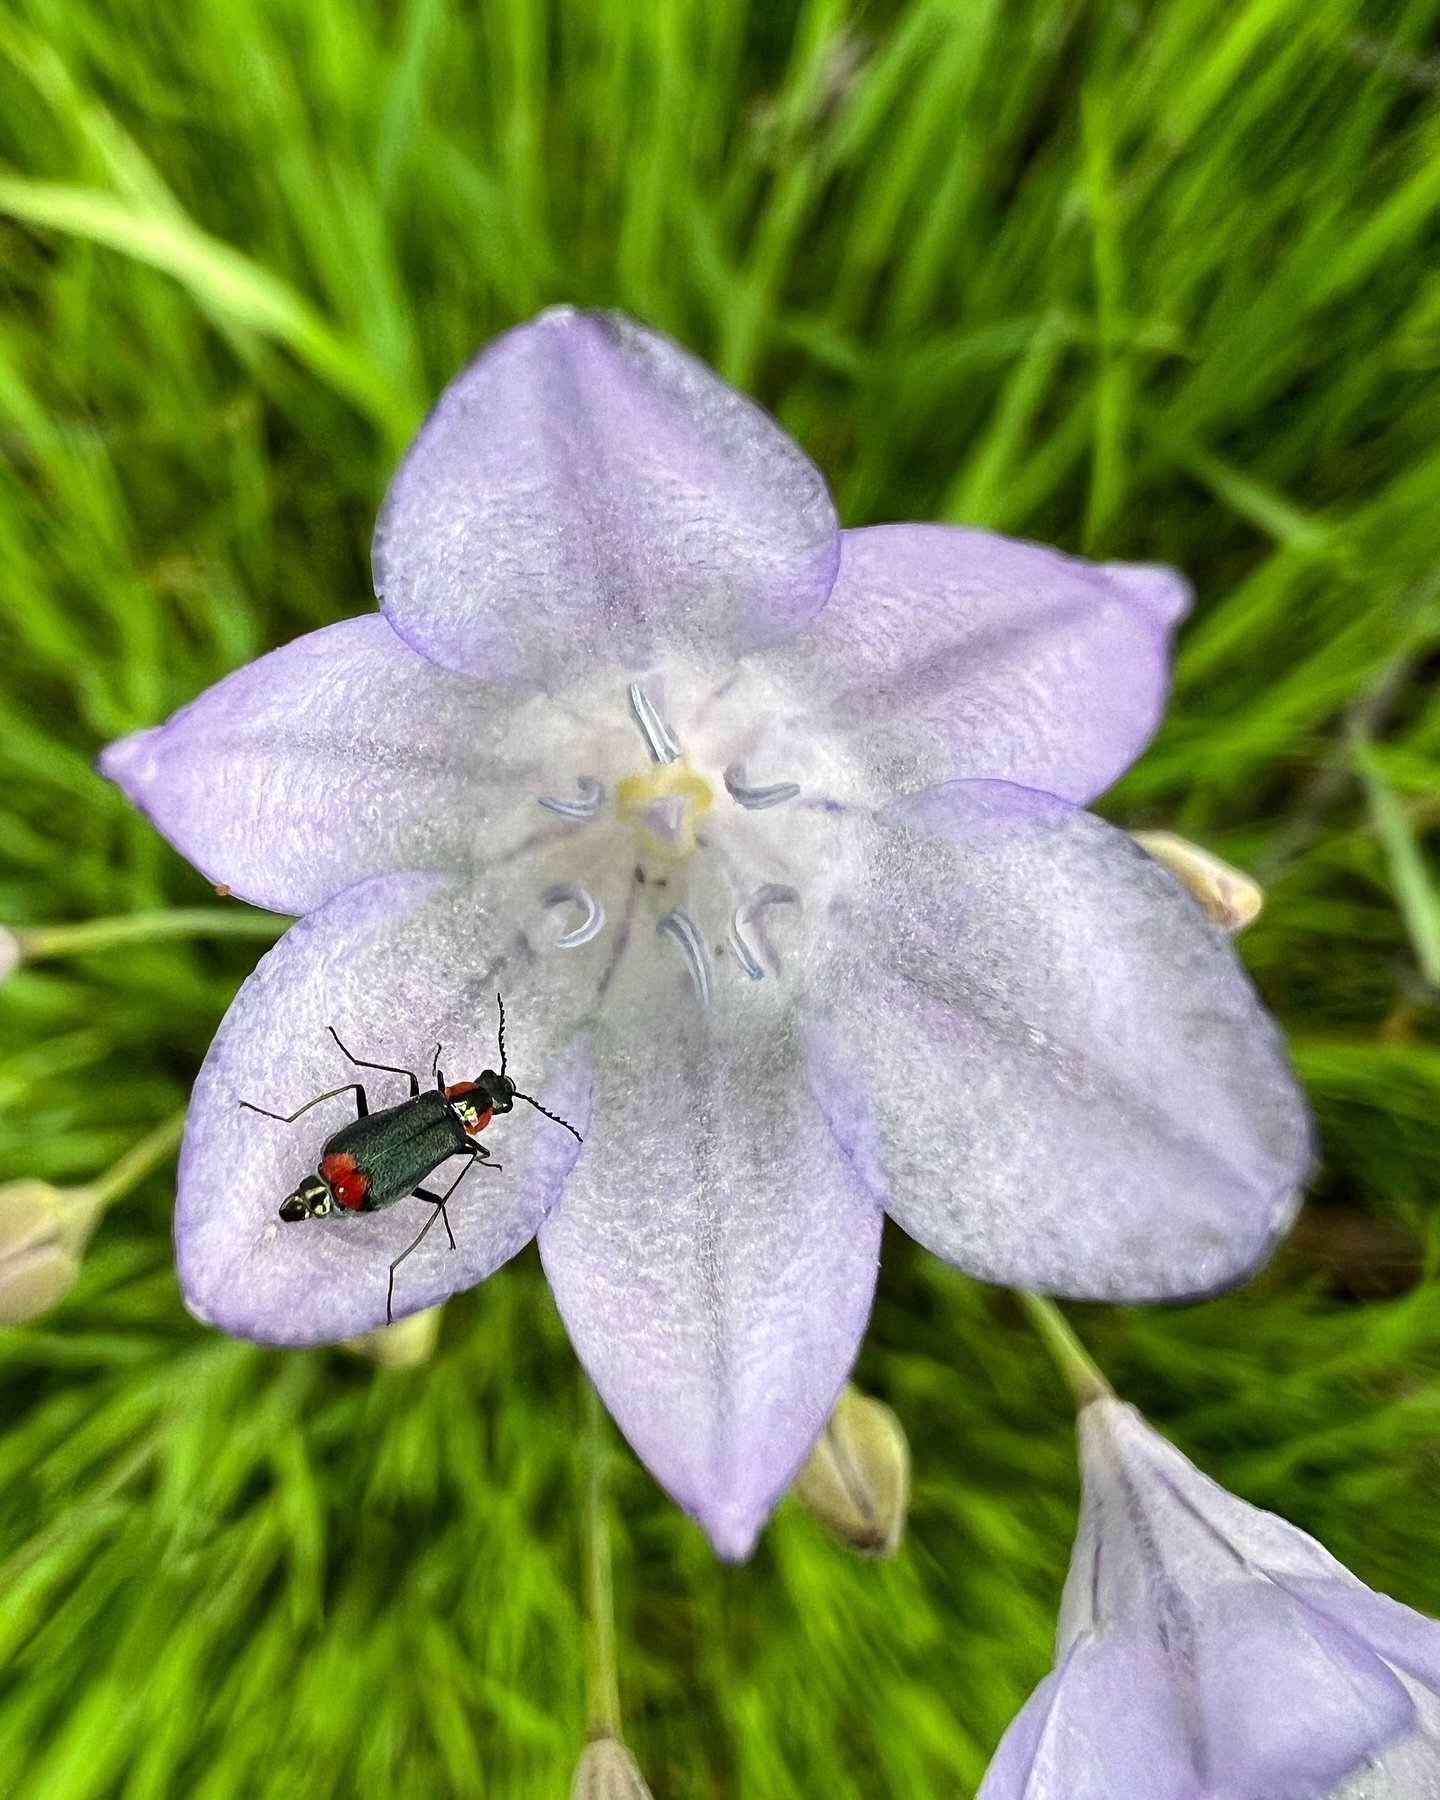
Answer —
856 1479
9 953
42 1234
607 1771
1230 898
404 1345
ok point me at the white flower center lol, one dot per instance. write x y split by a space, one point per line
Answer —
685 852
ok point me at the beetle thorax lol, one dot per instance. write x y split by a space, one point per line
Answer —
473 1102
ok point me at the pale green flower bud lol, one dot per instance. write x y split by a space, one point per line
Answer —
9 953
43 1230
406 1344
856 1479
607 1771
1230 898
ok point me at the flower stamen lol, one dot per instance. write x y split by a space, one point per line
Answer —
567 893
592 798
772 893
659 739
680 926
757 797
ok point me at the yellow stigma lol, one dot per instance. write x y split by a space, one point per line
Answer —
663 805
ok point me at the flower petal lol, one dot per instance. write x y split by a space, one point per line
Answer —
587 491
1078 1089
1140 1492
1106 1725
1283 1697
1254 1697
713 1256
1410 1771
342 755
394 964
1408 1640
1289 1704
945 652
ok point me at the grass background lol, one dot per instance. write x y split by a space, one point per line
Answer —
1150 279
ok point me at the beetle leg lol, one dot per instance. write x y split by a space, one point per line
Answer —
362 1108
438 1202
360 1062
414 1244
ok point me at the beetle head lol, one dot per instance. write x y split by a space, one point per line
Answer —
499 1091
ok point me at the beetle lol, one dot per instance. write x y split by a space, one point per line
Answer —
383 1157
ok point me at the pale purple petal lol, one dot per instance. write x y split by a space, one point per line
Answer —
586 492
1106 1725
1288 1704
1139 1486
1278 1696
1047 1061
395 964
945 653
1408 1640
1182 1630
1409 1771
342 755
713 1256
1250 1698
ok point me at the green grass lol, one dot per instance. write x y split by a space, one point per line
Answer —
1147 280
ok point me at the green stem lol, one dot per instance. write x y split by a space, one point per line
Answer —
38 941
1082 1374
138 1161
601 1678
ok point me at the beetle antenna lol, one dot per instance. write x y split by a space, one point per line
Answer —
549 1115
501 1004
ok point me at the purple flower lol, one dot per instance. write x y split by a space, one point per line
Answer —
1210 1651
769 834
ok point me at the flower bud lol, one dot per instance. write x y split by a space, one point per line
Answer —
607 1771
42 1233
856 1479
1230 898
406 1344
9 953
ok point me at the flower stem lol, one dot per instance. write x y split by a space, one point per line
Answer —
37 941
1082 1374
138 1161
601 1678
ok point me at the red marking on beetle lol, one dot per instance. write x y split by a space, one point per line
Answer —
344 1180
457 1088
480 1124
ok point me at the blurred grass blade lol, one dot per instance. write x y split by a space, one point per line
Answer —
1409 877
228 286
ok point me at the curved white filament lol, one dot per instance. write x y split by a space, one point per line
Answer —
659 739
567 893
680 926
756 798
592 798
772 893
